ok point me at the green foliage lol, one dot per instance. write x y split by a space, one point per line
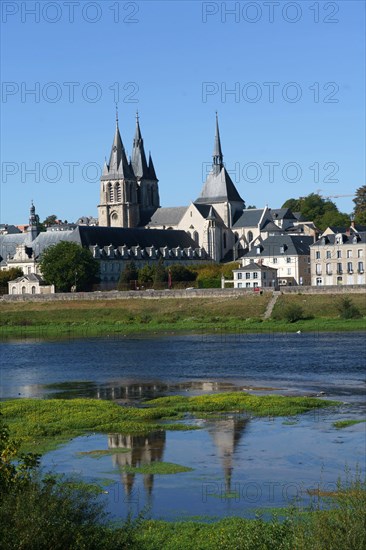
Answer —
66 264
346 423
182 273
347 309
160 273
50 220
146 275
129 274
360 205
323 212
157 468
293 313
8 275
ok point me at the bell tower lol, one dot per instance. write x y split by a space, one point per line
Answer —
119 204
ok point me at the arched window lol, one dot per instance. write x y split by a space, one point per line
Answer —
110 193
118 193
23 289
14 290
33 289
250 236
196 238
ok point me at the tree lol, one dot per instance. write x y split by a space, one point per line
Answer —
160 273
146 275
129 274
67 264
322 212
50 220
8 275
359 211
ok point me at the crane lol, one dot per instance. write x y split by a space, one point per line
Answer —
332 196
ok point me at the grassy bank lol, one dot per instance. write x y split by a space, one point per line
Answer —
43 424
124 317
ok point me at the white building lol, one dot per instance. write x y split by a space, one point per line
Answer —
255 275
30 284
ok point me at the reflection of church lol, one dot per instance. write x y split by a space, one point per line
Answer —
226 435
140 450
145 449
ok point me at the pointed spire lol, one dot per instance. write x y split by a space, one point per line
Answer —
218 158
152 173
139 163
118 164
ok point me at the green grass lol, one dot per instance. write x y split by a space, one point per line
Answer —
99 453
265 405
345 423
44 424
157 468
242 314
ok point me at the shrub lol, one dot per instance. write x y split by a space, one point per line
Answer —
293 313
347 309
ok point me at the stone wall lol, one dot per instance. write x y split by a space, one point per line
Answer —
192 293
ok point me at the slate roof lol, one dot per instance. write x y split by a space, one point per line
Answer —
105 236
282 214
32 278
249 218
219 188
330 239
9 229
254 266
294 245
168 216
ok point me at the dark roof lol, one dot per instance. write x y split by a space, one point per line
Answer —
116 236
299 216
118 166
249 218
31 277
168 216
138 160
254 266
8 229
342 229
294 245
330 239
282 214
271 226
219 188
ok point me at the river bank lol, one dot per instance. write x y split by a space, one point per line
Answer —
234 314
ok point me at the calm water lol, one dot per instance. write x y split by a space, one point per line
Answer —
256 462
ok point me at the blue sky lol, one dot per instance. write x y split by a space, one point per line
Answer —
293 123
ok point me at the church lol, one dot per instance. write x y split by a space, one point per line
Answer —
132 226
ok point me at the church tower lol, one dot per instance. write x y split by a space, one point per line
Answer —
119 201
147 182
219 189
32 230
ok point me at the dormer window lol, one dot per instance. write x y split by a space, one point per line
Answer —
283 248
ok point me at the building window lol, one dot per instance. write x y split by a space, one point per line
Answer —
240 285
255 275
319 281
288 260
33 289
240 275
317 255
264 275
29 269
23 289
349 253
339 253
329 254
247 285
196 237
339 268
255 285
349 267
110 193
360 267
250 236
247 275
258 249
274 260
289 271
118 193
359 253
329 269
318 269
14 290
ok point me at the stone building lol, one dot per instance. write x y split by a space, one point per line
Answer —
255 275
30 284
339 258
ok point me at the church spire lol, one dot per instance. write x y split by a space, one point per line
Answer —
118 166
218 157
152 173
139 163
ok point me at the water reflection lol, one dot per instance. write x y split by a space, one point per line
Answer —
226 435
143 450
